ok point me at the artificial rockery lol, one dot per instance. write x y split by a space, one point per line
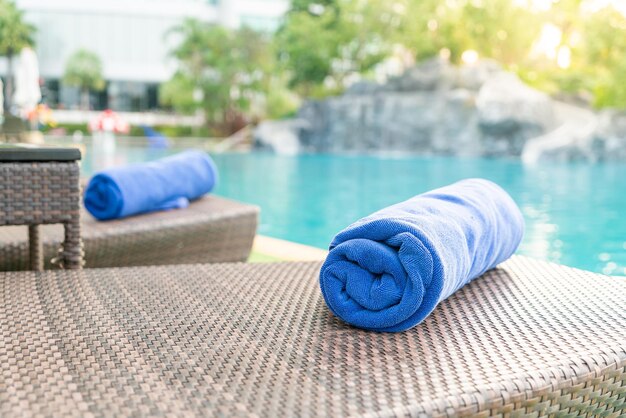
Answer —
439 109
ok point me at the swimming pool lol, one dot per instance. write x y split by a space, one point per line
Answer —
575 213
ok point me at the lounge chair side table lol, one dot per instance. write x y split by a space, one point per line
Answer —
40 185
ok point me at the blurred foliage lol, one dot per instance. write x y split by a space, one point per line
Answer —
83 70
321 43
495 29
324 45
178 93
604 55
15 33
224 73
66 128
280 101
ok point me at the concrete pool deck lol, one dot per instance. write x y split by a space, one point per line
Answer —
267 249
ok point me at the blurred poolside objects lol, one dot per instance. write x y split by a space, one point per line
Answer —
109 121
41 116
124 142
155 139
103 129
27 91
1 102
133 118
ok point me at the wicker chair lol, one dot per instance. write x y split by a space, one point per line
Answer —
529 339
212 229
40 186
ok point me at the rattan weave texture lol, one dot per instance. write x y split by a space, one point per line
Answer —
42 193
529 339
212 229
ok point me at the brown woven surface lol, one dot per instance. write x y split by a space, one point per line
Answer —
211 229
42 193
530 339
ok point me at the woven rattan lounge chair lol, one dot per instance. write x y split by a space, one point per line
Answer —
211 229
529 339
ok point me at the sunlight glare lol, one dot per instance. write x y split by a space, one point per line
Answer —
469 57
548 41
592 6
564 57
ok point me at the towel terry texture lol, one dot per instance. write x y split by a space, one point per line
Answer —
388 271
158 185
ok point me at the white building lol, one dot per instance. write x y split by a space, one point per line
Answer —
131 38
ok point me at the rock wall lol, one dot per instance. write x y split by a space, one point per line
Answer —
435 108
609 140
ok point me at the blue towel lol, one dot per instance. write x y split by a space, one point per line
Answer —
159 185
388 271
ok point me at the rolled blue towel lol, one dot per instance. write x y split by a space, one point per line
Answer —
158 185
388 271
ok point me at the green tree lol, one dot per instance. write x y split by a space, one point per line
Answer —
604 47
15 34
597 42
327 41
222 72
84 71
178 93
322 43
497 29
312 6
307 45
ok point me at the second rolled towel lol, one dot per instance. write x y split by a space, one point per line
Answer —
158 185
388 271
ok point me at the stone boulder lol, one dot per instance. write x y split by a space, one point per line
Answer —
280 136
473 77
510 113
363 87
428 76
434 108
609 140
388 121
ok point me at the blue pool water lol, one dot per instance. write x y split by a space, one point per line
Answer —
575 212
